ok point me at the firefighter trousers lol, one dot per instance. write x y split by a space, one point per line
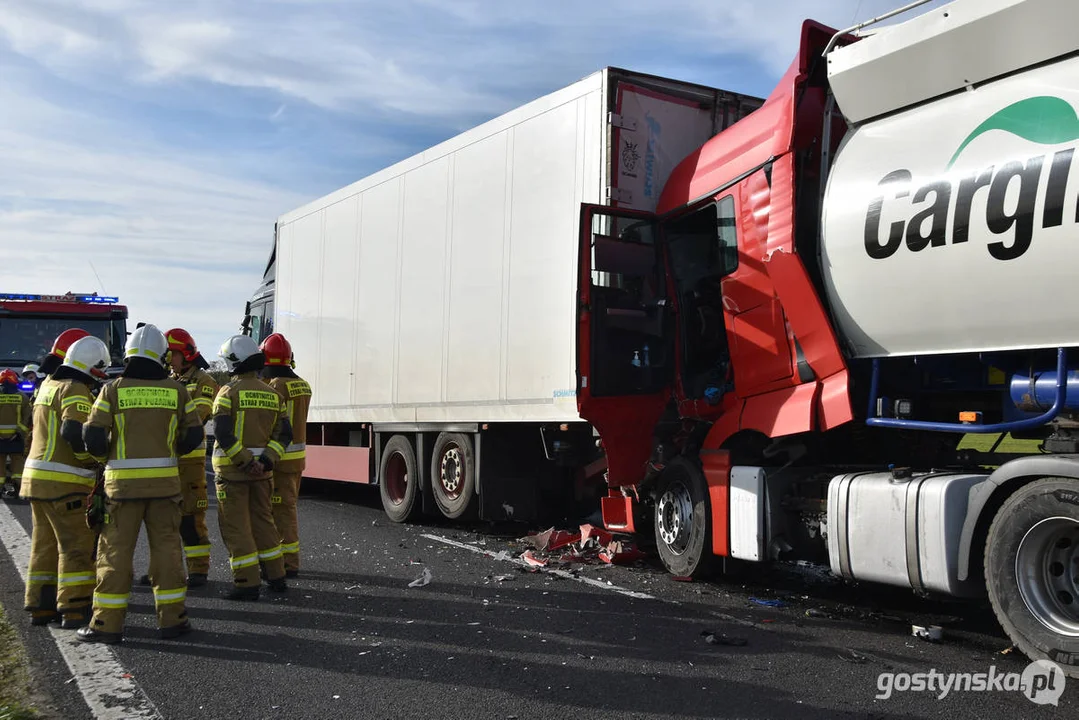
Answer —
285 492
61 572
248 530
11 465
115 555
193 532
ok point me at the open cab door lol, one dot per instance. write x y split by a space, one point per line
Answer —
625 335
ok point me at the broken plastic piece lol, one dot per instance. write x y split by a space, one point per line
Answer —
767 603
933 633
713 638
422 579
532 560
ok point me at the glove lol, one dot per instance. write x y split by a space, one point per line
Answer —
95 507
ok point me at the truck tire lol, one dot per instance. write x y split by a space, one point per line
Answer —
1032 567
683 520
453 474
398 481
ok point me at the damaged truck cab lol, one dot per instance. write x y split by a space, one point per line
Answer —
782 362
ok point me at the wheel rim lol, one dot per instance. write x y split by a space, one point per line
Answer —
675 514
1047 569
450 472
396 479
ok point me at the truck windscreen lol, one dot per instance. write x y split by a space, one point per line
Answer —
29 339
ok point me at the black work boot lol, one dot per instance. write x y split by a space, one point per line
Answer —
196 579
145 580
88 634
292 573
43 617
278 585
176 630
250 594
75 619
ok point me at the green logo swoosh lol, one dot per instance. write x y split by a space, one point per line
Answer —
1045 119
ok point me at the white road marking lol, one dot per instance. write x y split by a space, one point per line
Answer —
100 678
506 557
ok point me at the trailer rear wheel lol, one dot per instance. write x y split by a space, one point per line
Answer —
1032 570
453 476
683 520
398 480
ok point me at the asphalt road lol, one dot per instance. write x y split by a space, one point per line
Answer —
351 639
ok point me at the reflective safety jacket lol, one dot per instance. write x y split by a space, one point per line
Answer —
53 468
202 388
249 421
297 396
16 414
145 420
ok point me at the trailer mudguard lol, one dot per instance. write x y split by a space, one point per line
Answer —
1013 474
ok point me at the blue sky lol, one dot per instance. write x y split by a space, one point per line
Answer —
160 141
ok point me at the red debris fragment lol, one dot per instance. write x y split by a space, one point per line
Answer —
682 578
601 535
532 560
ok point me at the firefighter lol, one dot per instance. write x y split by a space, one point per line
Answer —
187 365
15 419
59 350
30 373
139 425
295 391
57 480
251 431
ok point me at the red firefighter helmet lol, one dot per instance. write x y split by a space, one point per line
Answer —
9 377
277 350
180 341
65 340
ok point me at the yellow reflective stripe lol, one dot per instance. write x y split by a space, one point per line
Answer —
290 548
56 476
192 551
139 473
22 427
83 578
276 447
296 455
244 561
190 407
42 578
223 401
109 600
50 442
239 430
103 405
236 449
82 456
173 425
271 554
121 441
199 452
74 400
203 402
169 597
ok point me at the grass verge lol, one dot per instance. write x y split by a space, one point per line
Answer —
14 676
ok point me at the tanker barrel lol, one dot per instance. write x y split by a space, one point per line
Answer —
1036 393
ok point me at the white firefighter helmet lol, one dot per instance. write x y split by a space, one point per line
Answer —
237 349
147 342
88 355
31 368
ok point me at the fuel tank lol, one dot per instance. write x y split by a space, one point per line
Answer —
953 226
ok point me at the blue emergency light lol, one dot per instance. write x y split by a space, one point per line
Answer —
70 297
27 386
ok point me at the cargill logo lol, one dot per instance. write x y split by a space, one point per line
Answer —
1042 120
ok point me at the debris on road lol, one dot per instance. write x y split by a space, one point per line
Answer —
933 633
767 603
553 547
422 579
713 638
853 656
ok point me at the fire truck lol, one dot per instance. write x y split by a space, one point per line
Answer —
29 323
770 342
